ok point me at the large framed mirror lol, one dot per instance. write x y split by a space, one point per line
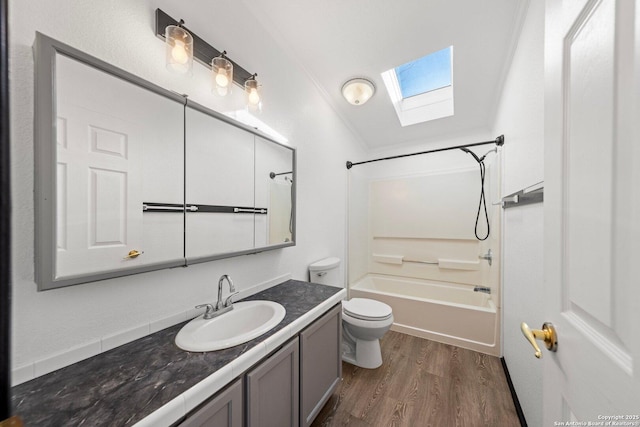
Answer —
132 178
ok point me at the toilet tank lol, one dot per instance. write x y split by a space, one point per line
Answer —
326 272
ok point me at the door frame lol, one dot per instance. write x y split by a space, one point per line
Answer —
5 221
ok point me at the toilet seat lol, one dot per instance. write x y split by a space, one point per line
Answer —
366 309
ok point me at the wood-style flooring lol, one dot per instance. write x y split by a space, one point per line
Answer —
422 383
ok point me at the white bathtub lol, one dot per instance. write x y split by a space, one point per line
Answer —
445 312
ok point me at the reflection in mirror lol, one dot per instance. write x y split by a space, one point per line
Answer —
219 186
274 184
107 143
233 204
118 146
111 184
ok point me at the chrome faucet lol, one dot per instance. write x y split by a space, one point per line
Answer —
227 303
220 306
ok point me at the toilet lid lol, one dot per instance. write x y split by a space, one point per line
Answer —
366 309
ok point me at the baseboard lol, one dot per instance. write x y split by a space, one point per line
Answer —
514 396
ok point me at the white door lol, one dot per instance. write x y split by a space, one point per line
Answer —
99 195
592 211
118 146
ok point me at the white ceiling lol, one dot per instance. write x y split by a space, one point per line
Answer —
335 40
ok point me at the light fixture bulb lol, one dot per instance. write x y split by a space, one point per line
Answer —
254 98
178 53
222 80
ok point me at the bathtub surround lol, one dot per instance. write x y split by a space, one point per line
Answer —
420 216
125 385
49 323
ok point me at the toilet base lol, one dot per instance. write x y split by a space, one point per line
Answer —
367 354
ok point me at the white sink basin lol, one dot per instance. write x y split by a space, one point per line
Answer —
246 321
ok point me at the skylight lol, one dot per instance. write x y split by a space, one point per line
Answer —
425 74
422 90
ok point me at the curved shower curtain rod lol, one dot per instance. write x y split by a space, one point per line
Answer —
499 141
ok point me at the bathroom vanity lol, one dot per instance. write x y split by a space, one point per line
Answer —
284 376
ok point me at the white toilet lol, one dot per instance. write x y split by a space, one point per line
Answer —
364 321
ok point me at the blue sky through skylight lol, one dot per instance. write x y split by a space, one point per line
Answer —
425 74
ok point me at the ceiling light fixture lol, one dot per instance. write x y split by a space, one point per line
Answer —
358 91
186 46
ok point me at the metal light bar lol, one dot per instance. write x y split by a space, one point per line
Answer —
499 141
203 52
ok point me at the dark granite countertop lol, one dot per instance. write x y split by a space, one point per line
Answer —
123 385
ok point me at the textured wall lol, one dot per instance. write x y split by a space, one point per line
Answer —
121 32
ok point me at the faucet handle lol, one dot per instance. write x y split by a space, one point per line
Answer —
210 309
228 302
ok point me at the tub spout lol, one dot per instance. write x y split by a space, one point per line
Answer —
484 289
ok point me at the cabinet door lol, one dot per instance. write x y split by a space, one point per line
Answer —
273 390
224 410
320 363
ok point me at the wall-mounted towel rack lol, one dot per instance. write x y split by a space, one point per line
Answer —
527 196
449 264
173 207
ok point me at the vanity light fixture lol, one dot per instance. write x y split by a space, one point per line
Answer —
222 74
224 69
253 91
179 47
358 91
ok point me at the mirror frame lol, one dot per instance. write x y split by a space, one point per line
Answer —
45 248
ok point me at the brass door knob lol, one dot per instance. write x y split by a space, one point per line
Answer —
133 254
546 334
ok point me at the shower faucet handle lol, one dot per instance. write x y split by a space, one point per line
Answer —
488 256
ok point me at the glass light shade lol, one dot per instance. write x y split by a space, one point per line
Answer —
222 75
254 94
179 49
358 91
